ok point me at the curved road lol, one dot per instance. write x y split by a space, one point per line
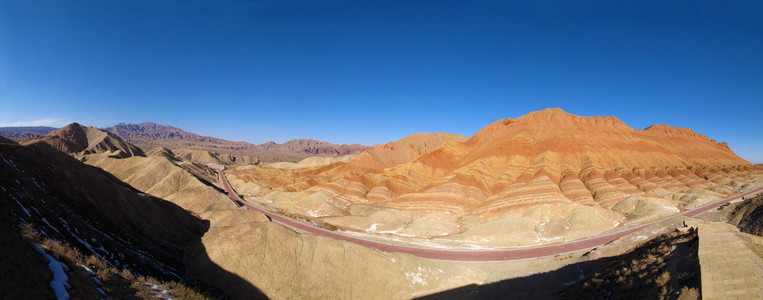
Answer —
470 255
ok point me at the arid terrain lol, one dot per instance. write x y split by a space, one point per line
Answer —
22 133
545 177
121 221
148 136
390 150
152 135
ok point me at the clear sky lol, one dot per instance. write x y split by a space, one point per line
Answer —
375 71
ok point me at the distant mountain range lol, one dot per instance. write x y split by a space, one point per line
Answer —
151 135
23 133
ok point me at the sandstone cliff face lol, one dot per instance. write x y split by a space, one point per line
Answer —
544 177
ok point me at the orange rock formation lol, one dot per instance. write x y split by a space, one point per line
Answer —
550 167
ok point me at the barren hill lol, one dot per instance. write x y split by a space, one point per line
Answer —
313 161
185 183
279 262
546 176
402 150
209 157
80 140
151 135
59 212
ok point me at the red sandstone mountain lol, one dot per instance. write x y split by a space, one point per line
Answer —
545 169
592 160
401 151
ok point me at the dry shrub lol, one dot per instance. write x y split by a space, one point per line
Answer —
689 294
663 279
117 283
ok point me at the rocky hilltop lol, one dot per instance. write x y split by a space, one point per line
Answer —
81 140
152 135
402 150
543 177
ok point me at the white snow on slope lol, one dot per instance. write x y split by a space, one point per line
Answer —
60 280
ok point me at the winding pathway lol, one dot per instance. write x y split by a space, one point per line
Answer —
469 255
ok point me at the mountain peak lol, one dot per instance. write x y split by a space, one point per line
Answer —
550 121
77 139
557 114
551 111
73 126
667 130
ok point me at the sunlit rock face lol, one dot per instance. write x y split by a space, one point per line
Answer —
545 177
79 140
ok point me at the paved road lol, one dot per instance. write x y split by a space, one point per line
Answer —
469 255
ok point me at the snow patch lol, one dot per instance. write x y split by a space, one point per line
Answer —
416 277
580 277
60 280
51 226
22 207
90 271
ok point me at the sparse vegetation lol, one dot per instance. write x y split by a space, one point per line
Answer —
88 274
664 268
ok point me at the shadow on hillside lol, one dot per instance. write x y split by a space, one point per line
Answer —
91 209
538 286
665 267
201 267
24 270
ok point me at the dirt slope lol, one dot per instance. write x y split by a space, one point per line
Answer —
89 209
313 161
160 177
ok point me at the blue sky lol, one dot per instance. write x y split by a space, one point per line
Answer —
375 71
